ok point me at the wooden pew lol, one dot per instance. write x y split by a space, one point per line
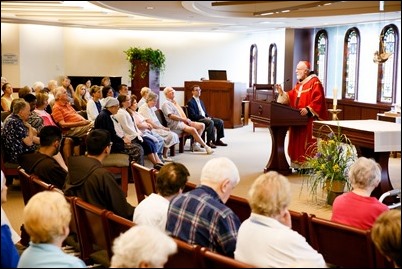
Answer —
341 245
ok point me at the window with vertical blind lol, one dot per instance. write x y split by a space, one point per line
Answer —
387 71
321 56
351 53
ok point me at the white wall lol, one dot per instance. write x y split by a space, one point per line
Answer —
48 52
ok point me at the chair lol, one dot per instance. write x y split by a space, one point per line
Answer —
341 245
239 206
38 185
300 223
212 259
182 136
162 120
144 180
187 256
92 236
25 182
117 225
4 115
72 238
30 185
189 186
118 163
10 170
83 113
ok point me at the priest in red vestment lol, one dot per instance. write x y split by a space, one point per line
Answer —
308 96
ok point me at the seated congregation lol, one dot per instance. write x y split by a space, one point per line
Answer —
72 161
241 232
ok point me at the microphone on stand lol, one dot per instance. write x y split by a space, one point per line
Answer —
275 94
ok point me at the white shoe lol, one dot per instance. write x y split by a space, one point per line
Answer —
209 150
167 159
195 147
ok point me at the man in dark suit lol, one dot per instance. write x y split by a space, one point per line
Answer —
197 112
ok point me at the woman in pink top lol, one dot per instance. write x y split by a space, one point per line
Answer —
356 208
41 103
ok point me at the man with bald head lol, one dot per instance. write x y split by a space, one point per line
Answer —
309 98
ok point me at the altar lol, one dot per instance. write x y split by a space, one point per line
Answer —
372 139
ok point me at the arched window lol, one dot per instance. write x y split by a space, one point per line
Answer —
272 58
387 71
321 56
253 66
351 52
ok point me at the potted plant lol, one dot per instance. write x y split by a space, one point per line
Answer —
154 59
327 165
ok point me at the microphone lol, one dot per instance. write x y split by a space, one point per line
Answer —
275 92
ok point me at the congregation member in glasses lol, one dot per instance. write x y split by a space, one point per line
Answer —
63 113
89 180
198 112
122 143
170 138
150 144
178 122
309 98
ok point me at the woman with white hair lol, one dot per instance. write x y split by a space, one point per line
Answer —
357 208
142 247
144 94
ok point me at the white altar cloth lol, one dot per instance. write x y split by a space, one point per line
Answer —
387 135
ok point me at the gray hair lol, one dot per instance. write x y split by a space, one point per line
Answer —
151 97
365 173
219 169
142 244
19 104
59 91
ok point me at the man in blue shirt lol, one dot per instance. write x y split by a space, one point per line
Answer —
200 216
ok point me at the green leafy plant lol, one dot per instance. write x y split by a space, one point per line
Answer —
154 58
328 162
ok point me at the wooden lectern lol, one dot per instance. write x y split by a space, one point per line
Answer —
278 118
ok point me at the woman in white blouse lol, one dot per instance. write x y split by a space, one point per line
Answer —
147 110
94 105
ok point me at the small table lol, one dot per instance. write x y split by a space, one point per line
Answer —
372 138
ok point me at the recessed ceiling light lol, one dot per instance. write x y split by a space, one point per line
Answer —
149 8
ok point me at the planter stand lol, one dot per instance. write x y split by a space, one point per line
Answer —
331 196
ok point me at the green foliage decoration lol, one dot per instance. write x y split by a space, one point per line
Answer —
153 57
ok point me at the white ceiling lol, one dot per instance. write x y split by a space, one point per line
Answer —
221 16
